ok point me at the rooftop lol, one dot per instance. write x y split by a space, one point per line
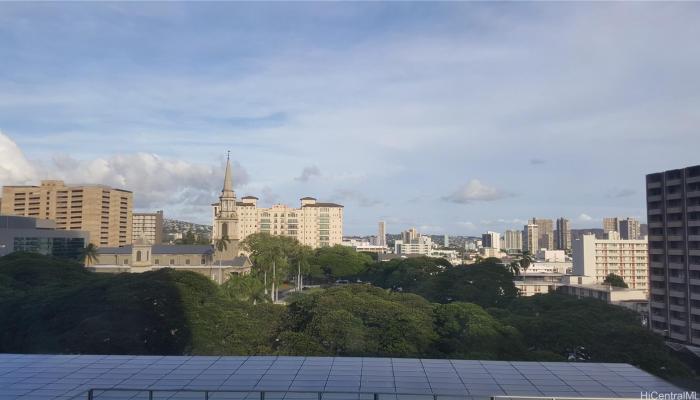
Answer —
34 376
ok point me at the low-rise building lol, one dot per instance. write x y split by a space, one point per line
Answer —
531 284
365 246
40 236
549 267
551 255
585 287
142 257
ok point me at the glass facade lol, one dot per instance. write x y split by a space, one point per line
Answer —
70 248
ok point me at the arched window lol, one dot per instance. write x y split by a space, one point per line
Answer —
224 229
138 255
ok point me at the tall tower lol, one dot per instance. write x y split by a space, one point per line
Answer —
225 215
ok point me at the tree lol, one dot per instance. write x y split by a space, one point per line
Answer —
247 288
89 254
301 258
271 254
335 262
526 259
615 281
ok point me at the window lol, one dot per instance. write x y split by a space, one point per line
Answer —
138 255
187 261
172 261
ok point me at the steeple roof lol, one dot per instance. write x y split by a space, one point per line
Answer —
228 177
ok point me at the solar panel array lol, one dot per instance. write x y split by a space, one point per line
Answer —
70 376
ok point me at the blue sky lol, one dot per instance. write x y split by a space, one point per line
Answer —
451 117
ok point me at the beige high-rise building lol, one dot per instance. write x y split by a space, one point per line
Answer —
531 238
599 257
611 224
630 228
104 212
148 226
545 230
381 234
314 223
409 235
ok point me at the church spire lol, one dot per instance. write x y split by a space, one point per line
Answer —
228 178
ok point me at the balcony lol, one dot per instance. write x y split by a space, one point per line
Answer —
693 193
674 224
655 197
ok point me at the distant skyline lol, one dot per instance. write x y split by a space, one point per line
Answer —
454 118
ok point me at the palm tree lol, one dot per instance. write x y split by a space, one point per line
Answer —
89 254
302 256
515 267
221 246
526 260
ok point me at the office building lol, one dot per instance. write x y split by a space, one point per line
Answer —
673 215
446 241
513 240
598 258
313 223
104 212
530 238
630 229
545 231
611 224
563 234
40 236
409 235
381 234
422 245
491 240
148 226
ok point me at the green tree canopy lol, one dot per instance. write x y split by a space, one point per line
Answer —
615 281
338 262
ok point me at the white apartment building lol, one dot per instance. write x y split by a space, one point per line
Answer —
421 245
362 245
599 257
513 240
551 255
531 238
313 223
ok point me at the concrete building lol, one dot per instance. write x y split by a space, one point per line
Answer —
673 215
148 226
611 224
513 240
40 236
551 255
559 267
563 234
381 234
491 240
580 287
533 283
365 246
104 212
314 223
531 238
421 245
630 229
142 257
409 235
545 231
599 257
446 241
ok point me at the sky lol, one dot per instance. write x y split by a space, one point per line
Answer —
453 118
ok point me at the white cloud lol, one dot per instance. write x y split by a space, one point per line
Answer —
356 197
474 191
466 224
585 218
14 167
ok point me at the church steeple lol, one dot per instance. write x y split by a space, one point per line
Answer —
227 191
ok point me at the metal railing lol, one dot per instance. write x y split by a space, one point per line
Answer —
94 393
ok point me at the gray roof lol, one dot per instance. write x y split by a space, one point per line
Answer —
53 377
239 261
322 205
162 249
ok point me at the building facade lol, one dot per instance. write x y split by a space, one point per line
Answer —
630 229
381 234
673 215
563 234
599 257
611 224
148 226
40 236
513 240
531 238
491 240
313 223
143 257
545 231
104 212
